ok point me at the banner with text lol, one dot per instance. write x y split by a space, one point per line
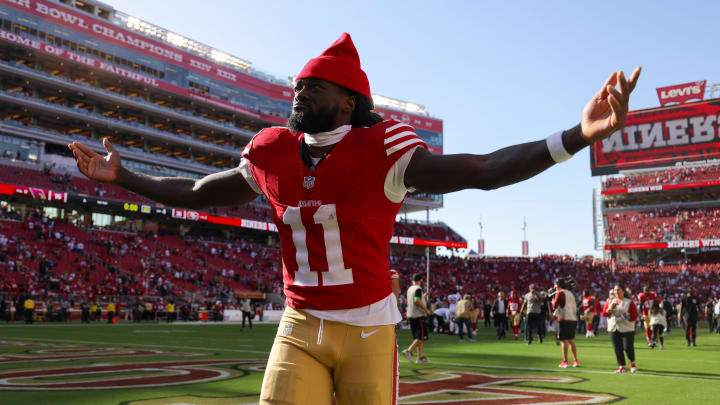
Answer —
666 136
138 42
674 244
129 74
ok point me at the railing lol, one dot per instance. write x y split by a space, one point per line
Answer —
129 126
87 86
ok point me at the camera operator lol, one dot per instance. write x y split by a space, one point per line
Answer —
565 310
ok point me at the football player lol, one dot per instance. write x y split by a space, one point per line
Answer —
335 178
514 312
646 299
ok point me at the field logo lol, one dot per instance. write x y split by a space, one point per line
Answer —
430 386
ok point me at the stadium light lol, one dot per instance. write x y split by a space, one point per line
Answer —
176 39
382 101
180 41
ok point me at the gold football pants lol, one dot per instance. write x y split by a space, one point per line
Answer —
312 359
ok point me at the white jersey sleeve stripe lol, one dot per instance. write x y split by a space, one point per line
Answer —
402 145
398 136
244 168
396 126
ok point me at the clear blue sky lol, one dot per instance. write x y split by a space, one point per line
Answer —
497 73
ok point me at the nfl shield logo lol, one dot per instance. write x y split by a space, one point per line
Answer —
308 182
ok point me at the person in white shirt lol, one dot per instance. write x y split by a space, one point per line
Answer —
658 324
453 299
442 315
621 316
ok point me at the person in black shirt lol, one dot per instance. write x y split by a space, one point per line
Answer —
498 312
486 311
669 311
85 313
709 310
689 310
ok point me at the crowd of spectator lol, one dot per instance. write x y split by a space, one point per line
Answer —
682 175
663 224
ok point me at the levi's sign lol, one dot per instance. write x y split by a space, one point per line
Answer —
681 93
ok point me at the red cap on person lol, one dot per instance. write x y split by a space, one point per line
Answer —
340 64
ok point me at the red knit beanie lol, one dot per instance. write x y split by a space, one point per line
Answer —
339 64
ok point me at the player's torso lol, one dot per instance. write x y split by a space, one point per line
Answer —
513 305
646 301
334 221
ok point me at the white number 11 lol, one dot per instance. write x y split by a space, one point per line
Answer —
337 274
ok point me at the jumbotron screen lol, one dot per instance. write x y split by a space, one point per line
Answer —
661 137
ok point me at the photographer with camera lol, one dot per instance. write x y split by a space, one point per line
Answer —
621 314
565 310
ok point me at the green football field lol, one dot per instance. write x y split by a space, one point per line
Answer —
222 364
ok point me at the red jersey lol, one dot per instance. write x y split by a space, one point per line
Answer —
588 304
513 305
646 301
335 221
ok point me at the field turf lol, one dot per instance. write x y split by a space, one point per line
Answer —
156 363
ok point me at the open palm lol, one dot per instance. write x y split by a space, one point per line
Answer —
605 113
95 166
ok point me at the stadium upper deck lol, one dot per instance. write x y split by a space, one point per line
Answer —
72 69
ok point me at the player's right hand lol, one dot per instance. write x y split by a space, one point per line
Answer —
95 166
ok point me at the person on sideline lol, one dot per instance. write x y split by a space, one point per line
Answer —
565 310
688 313
532 310
499 314
658 323
247 311
621 314
463 314
514 312
416 316
588 310
335 159
29 305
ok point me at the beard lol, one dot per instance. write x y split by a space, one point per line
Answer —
311 122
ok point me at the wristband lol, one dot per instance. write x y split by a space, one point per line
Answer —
556 148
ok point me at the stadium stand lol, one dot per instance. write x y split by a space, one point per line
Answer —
660 177
663 225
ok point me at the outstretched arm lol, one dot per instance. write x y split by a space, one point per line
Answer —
604 114
218 189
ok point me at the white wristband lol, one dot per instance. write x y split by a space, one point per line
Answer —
556 148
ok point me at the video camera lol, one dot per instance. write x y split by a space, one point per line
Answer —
567 283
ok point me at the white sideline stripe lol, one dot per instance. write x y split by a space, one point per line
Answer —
396 126
138 345
574 370
398 136
402 145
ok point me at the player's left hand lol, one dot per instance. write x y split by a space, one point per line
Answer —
605 113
